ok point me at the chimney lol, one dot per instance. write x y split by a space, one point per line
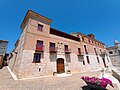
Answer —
91 36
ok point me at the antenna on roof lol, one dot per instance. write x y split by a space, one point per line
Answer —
116 42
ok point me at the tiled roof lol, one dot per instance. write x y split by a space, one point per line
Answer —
113 47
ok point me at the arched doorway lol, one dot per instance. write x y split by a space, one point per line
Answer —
60 65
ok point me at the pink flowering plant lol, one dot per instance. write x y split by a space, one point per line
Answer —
103 82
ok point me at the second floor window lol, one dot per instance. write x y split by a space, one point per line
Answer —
52 46
66 47
85 49
39 44
95 51
79 50
40 27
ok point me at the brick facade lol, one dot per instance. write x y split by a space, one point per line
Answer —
22 61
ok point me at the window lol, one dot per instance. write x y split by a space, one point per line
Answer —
85 49
40 27
37 57
89 40
83 39
95 42
92 41
98 60
52 46
110 52
88 59
79 50
100 51
98 44
95 51
66 47
39 45
83 62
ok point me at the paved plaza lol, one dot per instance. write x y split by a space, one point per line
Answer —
72 82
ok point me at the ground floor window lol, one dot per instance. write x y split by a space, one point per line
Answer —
98 60
83 62
88 59
37 58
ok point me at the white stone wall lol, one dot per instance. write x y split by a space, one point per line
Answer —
114 56
30 69
12 61
115 61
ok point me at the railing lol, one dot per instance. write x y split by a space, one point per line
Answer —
41 49
103 54
67 51
80 53
53 49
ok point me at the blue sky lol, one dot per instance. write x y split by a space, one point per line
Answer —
100 17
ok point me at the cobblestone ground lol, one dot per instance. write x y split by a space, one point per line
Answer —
73 82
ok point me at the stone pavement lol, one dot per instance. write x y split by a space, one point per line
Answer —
72 82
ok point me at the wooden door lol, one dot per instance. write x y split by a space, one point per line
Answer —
60 65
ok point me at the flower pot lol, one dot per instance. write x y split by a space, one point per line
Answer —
95 86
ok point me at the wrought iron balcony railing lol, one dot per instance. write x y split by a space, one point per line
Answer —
40 48
67 51
103 54
80 53
53 49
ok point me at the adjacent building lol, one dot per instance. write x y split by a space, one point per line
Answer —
114 53
42 50
3 48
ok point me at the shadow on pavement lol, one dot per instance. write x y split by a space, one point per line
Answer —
86 88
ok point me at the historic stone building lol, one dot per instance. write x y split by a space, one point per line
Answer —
42 50
3 48
114 53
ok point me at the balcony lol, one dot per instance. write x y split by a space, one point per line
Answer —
53 49
103 54
40 49
80 53
67 51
